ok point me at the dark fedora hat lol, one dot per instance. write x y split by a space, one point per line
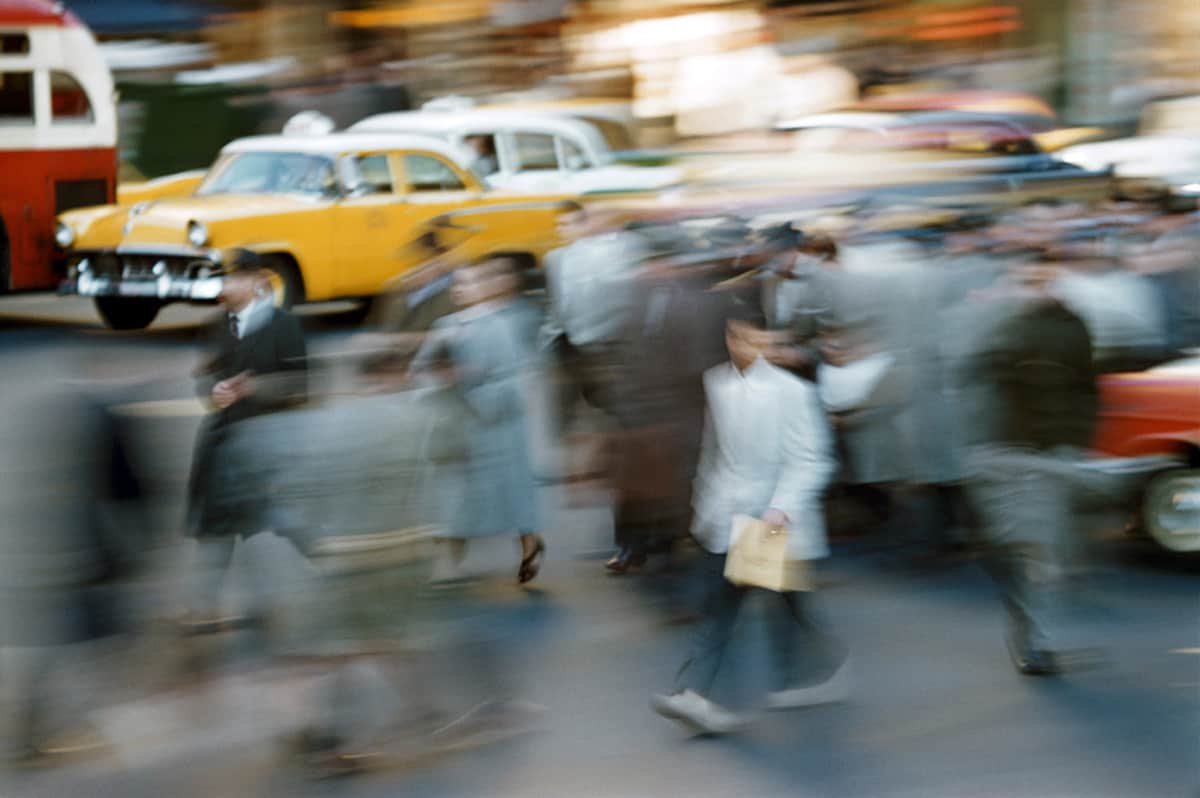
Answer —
242 261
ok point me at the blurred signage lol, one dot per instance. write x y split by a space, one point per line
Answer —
414 15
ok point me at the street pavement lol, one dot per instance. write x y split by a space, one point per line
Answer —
937 709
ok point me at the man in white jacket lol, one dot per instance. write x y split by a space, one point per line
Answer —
766 454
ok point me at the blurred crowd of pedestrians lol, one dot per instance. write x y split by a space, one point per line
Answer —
922 384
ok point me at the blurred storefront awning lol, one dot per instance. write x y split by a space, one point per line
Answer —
116 17
414 15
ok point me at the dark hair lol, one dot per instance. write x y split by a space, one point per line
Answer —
821 245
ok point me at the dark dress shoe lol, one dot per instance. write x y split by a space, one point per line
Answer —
625 559
1033 661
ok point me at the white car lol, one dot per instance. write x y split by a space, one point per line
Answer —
1167 147
956 150
529 151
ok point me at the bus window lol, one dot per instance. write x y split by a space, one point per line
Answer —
16 97
68 100
14 44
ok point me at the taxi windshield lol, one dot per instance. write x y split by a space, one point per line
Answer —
271 173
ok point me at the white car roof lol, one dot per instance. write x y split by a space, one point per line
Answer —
446 122
337 143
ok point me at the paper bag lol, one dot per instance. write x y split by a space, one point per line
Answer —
758 557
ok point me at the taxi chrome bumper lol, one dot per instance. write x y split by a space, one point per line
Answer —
169 278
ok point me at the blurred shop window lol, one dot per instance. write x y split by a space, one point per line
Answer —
16 98
616 134
839 139
535 152
374 174
573 157
14 44
68 100
426 173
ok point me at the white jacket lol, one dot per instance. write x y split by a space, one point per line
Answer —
766 445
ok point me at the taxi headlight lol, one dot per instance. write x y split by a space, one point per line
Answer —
64 236
197 234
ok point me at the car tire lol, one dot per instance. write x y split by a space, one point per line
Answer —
285 281
1171 510
121 313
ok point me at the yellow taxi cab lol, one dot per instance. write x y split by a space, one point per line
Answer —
335 216
181 184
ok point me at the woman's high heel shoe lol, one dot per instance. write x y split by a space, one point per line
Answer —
531 564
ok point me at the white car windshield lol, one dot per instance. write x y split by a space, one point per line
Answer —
271 173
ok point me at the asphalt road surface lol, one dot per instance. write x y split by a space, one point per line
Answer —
937 709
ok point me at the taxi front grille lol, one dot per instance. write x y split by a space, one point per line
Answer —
150 267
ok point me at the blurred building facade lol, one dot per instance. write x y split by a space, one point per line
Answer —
688 67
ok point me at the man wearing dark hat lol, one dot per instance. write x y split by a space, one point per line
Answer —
258 365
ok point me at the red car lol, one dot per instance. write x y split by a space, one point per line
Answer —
1157 413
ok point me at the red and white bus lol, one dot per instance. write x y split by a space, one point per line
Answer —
58 134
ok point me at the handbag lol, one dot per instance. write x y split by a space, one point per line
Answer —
758 557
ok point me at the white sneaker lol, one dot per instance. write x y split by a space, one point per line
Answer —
834 689
697 712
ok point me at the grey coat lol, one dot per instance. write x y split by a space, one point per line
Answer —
492 351
60 558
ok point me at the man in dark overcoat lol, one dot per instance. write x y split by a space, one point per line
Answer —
257 365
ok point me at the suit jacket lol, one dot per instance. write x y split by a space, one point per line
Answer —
1037 366
766 445
275 353
224 494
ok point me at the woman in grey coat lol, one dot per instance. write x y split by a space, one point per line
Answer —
487 350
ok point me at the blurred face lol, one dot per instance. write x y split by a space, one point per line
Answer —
572 225
477 284
746 343
239 289
467 287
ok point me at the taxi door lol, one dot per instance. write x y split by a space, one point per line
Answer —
437 194
371 223
383 223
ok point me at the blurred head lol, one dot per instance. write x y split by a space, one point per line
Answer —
747 341
816 250
480 145
245 280
489 279
1035 276
573 221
